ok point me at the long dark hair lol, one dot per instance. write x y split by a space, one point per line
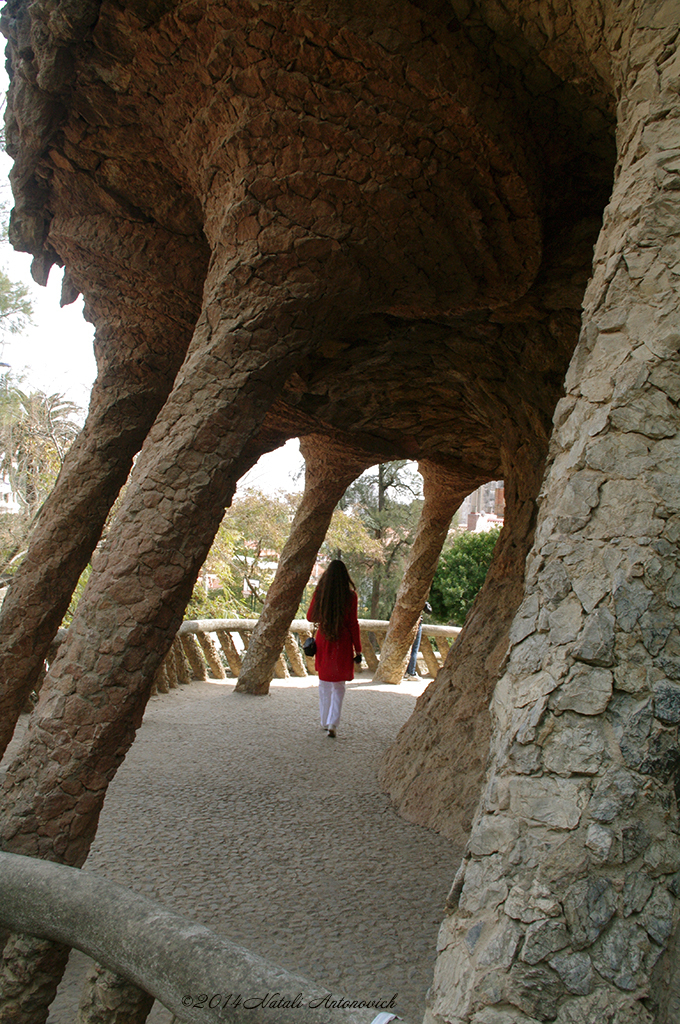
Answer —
332 596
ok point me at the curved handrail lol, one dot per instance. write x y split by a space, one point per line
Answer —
301 626
170 957
194 641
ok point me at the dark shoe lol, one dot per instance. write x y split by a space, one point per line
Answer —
331 734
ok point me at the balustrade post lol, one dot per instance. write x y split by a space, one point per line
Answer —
229 647
181 666
109 999
429 657
198 667
292 649
211 655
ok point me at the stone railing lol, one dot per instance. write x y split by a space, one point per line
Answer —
214 647
193 972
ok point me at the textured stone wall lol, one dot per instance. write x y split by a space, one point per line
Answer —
375 224
434 770
566 901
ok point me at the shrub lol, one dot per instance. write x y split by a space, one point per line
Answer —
460 574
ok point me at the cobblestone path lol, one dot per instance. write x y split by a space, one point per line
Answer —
239 812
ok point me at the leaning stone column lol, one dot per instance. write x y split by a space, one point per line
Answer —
443 495
330 467
93 698
141 339
565 903
68 528
433 772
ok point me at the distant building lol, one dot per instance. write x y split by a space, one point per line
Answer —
8 502
484 508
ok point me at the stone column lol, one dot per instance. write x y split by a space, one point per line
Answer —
330 467
93 698
443 495
434 770
565 905
142 335
68 528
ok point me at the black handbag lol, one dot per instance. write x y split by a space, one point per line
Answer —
309 646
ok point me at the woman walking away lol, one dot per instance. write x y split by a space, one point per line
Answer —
338 642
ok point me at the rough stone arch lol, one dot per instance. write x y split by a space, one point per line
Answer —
406 194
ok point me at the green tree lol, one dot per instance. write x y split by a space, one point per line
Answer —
36 431
387 500
460 574
244 555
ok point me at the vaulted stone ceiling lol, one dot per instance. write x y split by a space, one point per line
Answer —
426 157
375 222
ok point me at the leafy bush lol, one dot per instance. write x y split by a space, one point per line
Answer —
460 574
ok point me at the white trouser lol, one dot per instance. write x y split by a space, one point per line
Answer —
330 703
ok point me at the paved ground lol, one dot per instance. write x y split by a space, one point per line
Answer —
240 813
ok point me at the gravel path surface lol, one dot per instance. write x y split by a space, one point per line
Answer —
240 813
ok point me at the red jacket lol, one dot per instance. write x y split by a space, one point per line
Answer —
335 658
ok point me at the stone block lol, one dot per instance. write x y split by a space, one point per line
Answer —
586 691
631 677
554 583
532 688
603 1006
558 803
673 590
615 794
484 885
631 600
668 659
500 951
529 721
637 888
650 414
629 452
657 918
534 904
619 957
491 1016
527 657
662 856
525 620
626 509
542 939
666 702
634 840
565 621
632 721
666 377
534 990
595 645
589 905
581 493
575 971
493 833
525 760
574 749
599 841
